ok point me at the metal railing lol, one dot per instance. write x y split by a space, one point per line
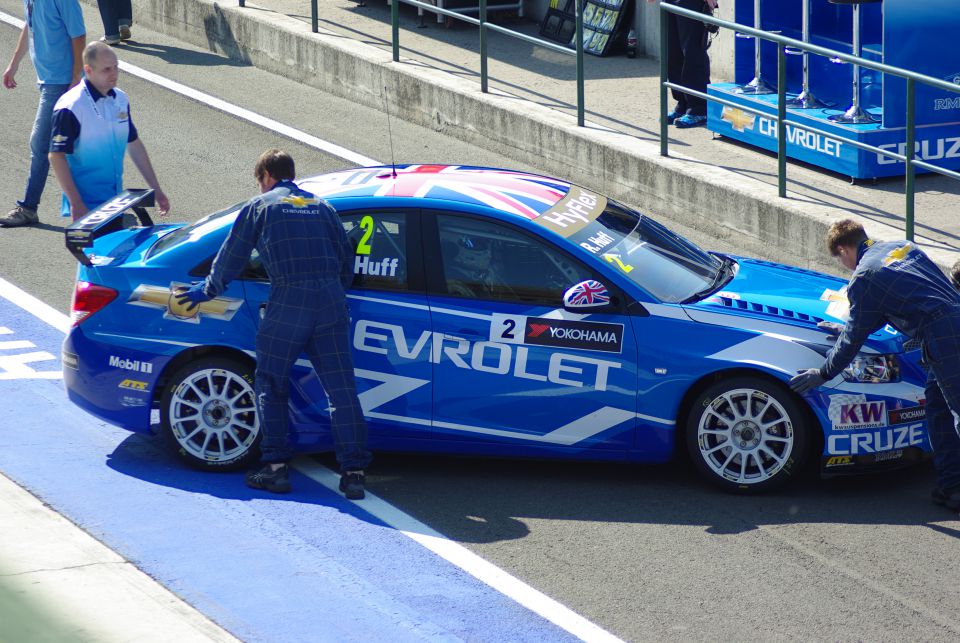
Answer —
484 27
481 22
910 163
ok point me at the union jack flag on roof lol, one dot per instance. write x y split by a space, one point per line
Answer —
518 193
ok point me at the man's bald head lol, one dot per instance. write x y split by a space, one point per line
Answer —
100 66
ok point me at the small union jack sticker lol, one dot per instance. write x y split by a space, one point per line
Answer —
587 294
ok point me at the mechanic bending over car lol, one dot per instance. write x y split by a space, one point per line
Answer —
896 283
309 260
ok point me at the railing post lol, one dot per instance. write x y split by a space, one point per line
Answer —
313 16
483 46
580 63
664 136
908 164
395 28
781 126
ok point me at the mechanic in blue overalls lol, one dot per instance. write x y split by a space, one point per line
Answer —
309 260
896 283
92 130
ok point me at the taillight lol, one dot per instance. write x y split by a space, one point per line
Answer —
88 298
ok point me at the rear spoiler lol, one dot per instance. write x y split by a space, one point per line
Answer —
106 219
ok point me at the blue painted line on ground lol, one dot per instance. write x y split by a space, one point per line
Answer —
308 566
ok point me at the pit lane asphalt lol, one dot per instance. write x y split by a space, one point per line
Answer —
648 553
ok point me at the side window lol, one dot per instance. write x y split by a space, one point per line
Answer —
379 239
490 260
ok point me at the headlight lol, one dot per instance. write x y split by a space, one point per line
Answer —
874 369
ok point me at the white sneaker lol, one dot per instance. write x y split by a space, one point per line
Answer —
110 41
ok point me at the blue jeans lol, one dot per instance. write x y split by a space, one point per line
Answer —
114 13
40 144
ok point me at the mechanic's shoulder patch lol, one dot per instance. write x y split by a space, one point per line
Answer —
299 201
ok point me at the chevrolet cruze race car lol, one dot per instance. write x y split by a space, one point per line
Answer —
496 313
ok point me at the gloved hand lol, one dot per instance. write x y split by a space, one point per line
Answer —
806 380
833 329
194 295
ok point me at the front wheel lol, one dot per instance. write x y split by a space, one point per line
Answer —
209 415
746 434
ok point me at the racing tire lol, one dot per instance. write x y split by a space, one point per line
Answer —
208 415
746 434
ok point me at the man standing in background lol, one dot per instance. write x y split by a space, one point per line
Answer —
54 34
92 130
687 62
117 17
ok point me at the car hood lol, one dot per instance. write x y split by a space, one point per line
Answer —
785 300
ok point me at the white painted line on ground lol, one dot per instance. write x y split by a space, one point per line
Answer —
34 306
498 579
222 105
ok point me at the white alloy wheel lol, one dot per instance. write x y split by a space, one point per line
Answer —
744 434
210 413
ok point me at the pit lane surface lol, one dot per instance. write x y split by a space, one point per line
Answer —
648 553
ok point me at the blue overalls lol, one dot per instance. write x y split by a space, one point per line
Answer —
896 283
308 258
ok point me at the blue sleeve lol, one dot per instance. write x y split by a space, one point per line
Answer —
72 16
235 251
64 132
865 317
133 135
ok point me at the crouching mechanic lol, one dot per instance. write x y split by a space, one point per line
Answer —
309 260
896 283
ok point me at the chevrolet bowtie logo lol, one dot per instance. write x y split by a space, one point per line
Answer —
738 119
222 308
898 254
298 201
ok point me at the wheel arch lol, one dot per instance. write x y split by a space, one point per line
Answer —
195 353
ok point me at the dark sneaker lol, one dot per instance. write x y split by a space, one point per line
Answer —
351 484
125 32
266 478
690 120
949 498
19 216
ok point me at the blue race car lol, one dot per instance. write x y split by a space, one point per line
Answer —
496 313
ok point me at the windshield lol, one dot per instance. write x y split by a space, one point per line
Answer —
663 263
192 231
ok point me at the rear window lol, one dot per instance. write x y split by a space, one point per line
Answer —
192 231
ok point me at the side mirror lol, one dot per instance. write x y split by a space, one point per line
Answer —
586 295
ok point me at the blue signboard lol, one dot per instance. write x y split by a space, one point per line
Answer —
916 36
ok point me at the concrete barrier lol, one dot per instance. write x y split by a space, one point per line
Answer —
677 188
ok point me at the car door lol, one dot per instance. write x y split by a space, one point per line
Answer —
513 371
389 325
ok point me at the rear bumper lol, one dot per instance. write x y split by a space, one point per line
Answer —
111 382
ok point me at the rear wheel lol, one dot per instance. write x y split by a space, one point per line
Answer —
208 413
746 434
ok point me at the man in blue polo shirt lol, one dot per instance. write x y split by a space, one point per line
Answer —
92 129
54 34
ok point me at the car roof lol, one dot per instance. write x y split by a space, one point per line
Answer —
513 193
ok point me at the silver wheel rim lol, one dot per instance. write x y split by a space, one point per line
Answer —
213 415
745 436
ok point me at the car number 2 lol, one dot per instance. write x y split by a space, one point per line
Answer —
507 328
